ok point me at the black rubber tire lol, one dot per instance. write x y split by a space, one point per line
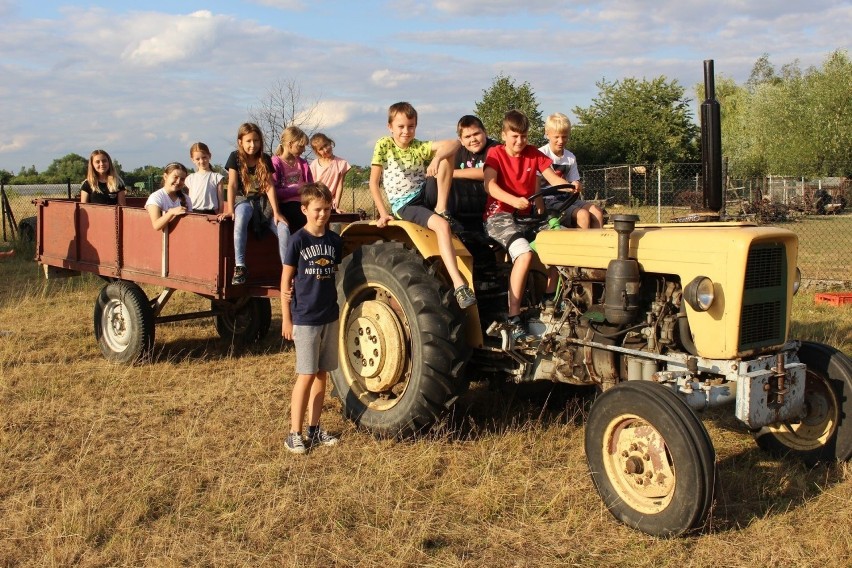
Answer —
244 325
421 341
265 319
27 230
684 459
124 322
825 435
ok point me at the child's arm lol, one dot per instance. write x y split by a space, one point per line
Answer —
287 273
160 218
337 192
475 174
441 150
220 194
376 193
273 201
232 191
493 189
555 179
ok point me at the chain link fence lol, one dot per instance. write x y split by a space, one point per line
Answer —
817 209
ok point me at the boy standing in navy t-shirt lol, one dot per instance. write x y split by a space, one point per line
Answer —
310 318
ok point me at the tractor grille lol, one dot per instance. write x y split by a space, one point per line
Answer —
764 297
766 267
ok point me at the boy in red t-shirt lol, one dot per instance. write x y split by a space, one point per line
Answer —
510 177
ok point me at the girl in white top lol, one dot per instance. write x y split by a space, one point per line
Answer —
169 202
205 185
328 168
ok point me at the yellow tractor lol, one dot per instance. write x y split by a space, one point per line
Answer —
662 319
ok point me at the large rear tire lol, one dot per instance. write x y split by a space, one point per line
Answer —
650 458
825 433
124 322
402 347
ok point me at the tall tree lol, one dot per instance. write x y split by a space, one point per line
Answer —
504 95
799 123
70 166
633 121
283 106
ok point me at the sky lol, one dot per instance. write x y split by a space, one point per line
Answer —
144 80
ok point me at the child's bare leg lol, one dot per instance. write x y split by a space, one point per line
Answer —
596 215
445 182
445 246
317 397
299 401
518 281
552 278
581 217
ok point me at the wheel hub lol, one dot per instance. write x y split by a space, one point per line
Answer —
375 345
115 325
640 462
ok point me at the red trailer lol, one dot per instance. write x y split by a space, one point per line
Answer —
195 254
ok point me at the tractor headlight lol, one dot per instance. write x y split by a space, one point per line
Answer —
699 293
797 282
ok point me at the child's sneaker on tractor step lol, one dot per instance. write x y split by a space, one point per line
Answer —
464 296
517 329
240 273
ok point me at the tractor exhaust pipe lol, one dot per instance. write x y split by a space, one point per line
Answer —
711 142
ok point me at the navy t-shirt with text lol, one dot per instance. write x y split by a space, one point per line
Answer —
314 291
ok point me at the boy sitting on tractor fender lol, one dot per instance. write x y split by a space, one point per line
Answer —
510 177
402 160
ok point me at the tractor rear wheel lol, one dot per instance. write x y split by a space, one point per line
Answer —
402 346
825 433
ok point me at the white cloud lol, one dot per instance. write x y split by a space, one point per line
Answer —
175 38
282 4
145 84
387 79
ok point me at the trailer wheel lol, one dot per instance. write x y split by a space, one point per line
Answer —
27 230
124 322
650 458
825 433
243 321
402 348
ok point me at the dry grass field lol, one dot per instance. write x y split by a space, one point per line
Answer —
180 462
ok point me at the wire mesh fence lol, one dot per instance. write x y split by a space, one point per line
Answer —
817 209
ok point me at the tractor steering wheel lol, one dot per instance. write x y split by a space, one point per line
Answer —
535 219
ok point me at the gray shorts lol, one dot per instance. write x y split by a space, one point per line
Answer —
416 211
316 347
553 202
502 228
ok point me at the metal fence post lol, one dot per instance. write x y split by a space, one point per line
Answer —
68 180
659 193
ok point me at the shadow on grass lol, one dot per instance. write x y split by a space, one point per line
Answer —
496 408
215 348
753 486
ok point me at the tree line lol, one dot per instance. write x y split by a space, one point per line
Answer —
788 121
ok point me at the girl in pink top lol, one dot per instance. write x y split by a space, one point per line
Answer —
328 168
291 172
